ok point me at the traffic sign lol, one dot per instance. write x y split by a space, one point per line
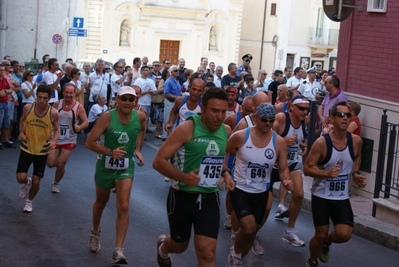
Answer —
77 32
78 22
57 38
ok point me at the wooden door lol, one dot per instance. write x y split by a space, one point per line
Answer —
169 49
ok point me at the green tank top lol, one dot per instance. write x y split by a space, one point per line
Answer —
205 151
115 136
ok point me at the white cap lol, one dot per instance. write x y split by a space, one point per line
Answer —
127 90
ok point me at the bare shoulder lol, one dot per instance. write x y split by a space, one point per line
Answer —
228 129
142 115
357 140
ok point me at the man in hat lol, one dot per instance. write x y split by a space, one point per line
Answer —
310 86
256 149
123 130
246 60
318 67
232 105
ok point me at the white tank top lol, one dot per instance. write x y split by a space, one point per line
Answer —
253 165
67 120
336 188
249 121
231 112
185 112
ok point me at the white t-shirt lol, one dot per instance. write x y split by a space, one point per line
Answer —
293 82
115 86
95 111
98 85
50 78
145 85
27 86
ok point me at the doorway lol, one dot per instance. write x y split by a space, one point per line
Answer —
169 49
290 61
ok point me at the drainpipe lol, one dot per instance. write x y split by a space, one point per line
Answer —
263 35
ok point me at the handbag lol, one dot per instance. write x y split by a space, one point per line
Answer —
158 98
14 95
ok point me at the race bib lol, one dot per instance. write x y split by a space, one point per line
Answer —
64 132
210 169
257 173
337 188
116 164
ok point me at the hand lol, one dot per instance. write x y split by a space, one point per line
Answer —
290 141
168 127
140 158
303 146
77 128
359 179
22 137
288 184
334 171
192 179
51 145
61 73
228 181
119 152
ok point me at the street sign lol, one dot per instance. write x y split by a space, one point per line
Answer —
57 38
78 22
77 32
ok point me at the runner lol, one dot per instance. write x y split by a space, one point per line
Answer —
198 145
121 131
37 122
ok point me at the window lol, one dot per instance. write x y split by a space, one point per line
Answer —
377 6
273 10
320 23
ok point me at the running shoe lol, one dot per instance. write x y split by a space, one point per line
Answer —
282 212
118 257
310 263
24 190
257 248
8 145
162 261
28 207
55 188
94 242
325 252
227 223
293 239
233 261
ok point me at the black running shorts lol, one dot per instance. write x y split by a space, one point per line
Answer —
26 159
340 211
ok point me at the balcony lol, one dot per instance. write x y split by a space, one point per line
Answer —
323 38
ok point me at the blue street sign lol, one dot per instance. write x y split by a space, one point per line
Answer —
77 32
78 22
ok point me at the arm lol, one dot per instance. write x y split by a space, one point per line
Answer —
99 128
317 154
56 126
140 138
234 143
55 85
25 90
279 126
359 179
230 120
161 86
174 113
352 127
83 118
25 111
181 135
320 112
281 151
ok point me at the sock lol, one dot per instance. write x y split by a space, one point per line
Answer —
28 201
280 205
163 255
228 216
234 254
233 234
116 248
289 230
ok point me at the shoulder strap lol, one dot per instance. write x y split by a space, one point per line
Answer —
287 124
350 145
329 145
274 137
247 133
238 118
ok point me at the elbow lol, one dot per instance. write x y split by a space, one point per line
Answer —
306 170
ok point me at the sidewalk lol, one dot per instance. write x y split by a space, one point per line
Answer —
366 226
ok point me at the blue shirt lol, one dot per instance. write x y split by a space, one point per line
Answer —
172 87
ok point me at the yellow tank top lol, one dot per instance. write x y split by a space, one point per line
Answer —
38 131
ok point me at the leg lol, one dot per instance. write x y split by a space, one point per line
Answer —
268 208
317 241
341 234
102 197
34 188
52 157
205 248
245 236
61 162
123 188
296 198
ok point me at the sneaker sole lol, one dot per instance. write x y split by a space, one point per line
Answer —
120 261
27 211
227 227
256 254
289 242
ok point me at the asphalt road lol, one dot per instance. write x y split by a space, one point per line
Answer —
57 232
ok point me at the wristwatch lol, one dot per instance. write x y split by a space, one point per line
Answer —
110 152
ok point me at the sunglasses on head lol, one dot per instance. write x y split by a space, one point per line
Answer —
269 120
343 114
124 99
302 108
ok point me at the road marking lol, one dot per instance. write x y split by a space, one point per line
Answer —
151 145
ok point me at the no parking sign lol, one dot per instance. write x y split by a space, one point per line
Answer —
57 38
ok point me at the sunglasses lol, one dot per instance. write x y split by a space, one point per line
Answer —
167 63
175 70
343 114
269 120
6 65
78 73
156 65
107 68
124 99
264 73
31 75
302 108
247 60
